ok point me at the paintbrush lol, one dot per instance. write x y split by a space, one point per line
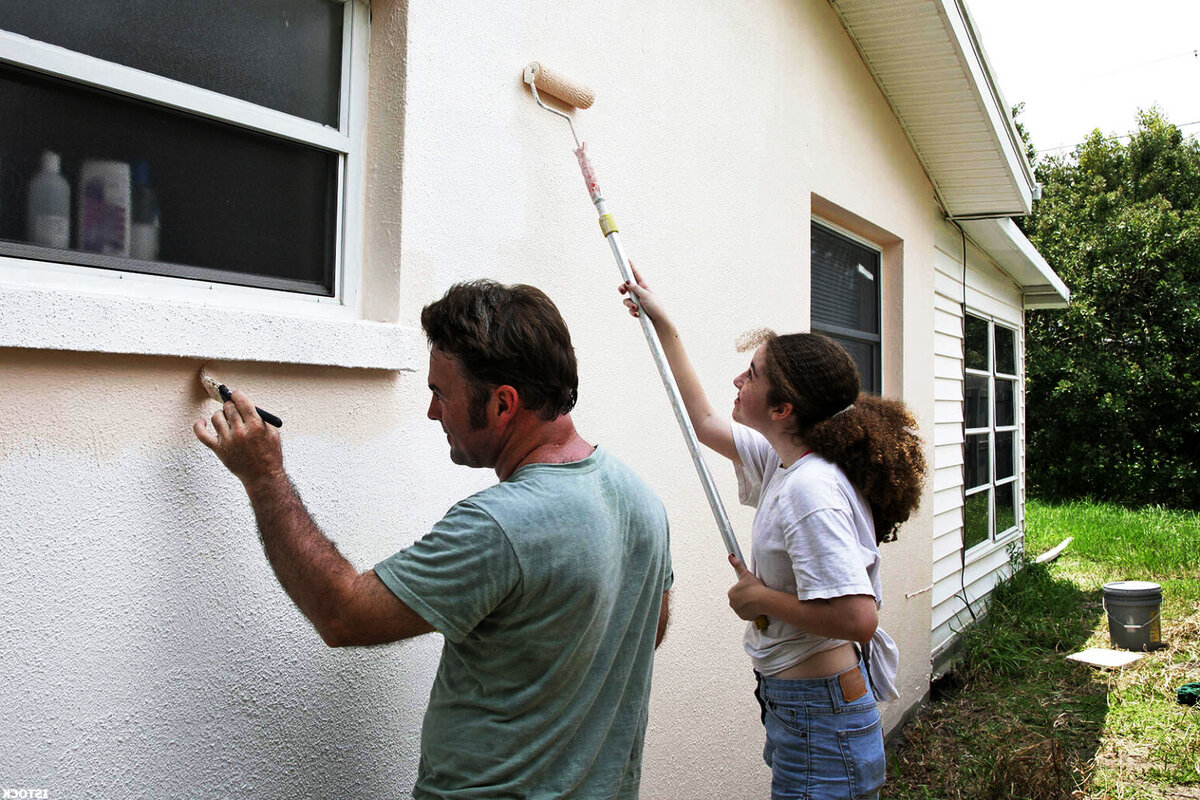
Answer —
220 392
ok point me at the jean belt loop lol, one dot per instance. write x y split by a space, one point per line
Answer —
758 695
866 660
835 693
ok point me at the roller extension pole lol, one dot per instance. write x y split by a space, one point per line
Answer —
611 233
538 77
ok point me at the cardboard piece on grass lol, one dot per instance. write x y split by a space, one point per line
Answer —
1103 657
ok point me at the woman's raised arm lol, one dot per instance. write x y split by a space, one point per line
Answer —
713 430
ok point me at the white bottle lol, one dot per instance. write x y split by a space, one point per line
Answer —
49 205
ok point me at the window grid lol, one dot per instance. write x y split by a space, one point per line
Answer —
981 494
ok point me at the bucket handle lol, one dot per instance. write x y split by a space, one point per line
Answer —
1147 624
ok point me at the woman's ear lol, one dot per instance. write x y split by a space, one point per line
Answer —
781 411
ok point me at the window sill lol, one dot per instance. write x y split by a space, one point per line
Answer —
984 549
54 319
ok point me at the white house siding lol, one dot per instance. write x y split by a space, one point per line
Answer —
989 293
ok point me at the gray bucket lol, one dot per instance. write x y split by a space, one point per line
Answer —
1133 609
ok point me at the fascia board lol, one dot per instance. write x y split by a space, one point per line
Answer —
1004 243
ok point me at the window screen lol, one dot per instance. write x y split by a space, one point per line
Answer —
845 299
119 163
281 54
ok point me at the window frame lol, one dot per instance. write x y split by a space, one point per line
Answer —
992 374
346 142
874 340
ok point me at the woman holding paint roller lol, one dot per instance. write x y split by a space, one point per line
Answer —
833 473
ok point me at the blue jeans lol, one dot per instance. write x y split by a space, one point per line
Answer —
819 747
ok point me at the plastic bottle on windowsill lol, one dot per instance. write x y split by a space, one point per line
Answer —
104 205
143 238
49 218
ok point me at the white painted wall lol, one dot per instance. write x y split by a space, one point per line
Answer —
151 650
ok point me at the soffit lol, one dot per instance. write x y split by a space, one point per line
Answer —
928 63
1019 259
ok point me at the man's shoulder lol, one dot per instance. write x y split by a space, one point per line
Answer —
574 487
631 480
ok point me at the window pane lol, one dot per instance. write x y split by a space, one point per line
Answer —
866 357
1005 454
1006 350
282 54
232 205
977 464
976 397
975 343
845 282
1006 507
1006 402
975 520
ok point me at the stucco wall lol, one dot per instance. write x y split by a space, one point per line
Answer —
151 651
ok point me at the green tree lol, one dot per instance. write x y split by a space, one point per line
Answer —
1113 381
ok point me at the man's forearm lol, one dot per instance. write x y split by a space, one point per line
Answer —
308 565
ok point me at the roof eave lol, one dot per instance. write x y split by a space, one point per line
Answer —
927 60
1003 241
943 39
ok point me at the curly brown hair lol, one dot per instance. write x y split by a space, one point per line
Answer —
872 439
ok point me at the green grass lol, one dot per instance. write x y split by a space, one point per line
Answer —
1018 720
1125 543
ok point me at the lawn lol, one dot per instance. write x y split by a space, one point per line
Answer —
1018 720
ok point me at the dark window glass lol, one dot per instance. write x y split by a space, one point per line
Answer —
1006 350
865 356
847 275
232 206
975 520
1006 454
845 299
975 343
1006 402
1006 507
978 463
976 399
282 54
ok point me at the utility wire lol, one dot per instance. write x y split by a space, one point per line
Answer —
1113 138
1194 53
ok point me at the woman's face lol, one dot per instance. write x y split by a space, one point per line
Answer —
751 407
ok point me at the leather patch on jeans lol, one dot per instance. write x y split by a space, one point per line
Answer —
853 685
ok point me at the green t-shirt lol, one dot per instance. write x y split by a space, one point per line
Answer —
547 588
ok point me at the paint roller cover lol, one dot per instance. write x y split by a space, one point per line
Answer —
557 86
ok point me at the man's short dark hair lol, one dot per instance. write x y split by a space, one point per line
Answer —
506 335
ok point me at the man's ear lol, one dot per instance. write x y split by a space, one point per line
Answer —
505 402
781 411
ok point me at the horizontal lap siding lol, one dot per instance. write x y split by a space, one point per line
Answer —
989 293
950 612
948 436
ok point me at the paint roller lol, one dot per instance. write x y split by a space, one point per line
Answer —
220 392
541 80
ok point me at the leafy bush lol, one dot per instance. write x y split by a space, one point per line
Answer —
1113 381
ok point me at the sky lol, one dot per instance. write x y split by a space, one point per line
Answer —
1084 64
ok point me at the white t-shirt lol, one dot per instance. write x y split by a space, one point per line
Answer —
813 535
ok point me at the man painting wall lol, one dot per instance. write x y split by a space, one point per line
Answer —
550 587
